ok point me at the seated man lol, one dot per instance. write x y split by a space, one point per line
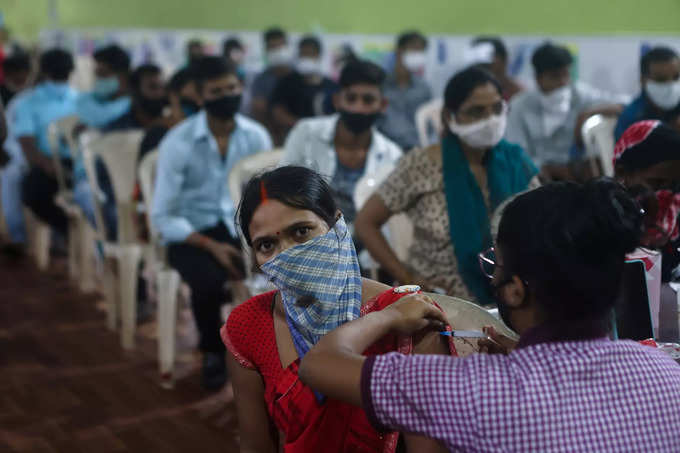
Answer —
192 208
304 92
195 51
345 146
660 97
49 101
547 121
109 98
148 97
492 55
17 68
405 91
279 59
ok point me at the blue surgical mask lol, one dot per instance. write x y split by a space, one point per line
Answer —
106 87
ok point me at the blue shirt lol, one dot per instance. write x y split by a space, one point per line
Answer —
639 110
95 112
48 102
192 190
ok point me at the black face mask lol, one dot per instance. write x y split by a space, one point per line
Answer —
188 106
152 107
224 107
358 123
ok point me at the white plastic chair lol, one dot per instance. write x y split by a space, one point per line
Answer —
598 137
118 151
398 229
464 315
239 176
168 279
428 118
59 130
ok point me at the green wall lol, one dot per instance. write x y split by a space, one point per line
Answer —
27 17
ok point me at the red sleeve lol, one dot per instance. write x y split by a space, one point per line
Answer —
390 296
243 327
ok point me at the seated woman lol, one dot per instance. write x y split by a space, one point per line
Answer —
301 243
565 386
449 191
647 162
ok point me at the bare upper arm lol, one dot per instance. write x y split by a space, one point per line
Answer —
256 429
374 212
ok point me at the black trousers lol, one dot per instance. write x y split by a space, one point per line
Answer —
38 192
206 277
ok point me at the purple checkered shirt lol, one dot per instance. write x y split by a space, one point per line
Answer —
573 396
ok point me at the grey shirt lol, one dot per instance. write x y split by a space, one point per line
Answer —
398 122
526 126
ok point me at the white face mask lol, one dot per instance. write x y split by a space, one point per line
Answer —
483 134
414 60
309 66
281 56
557 101
665 95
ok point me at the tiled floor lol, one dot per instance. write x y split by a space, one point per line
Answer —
67 386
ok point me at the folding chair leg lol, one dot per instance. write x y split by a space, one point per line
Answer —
86 256
111 293
42 234
73 248
128 265
168 287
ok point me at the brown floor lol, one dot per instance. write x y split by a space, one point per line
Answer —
67 386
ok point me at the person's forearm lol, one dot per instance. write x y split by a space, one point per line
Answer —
33 155
200 240
333 366
376 244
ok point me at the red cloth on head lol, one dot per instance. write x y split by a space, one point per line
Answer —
634 135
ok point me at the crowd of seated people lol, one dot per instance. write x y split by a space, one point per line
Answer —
298 350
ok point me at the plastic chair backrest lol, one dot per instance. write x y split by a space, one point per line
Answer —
464 315
89 159
57 131
147 176
399 226
598 138
428 118
248 167
119 152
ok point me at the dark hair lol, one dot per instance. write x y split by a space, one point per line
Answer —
113 56
463 83
273 33
56 64
407 37
297 187
230 44
549 57
361 71
310 40
568 243
194 42
180 79
19 62
211 68
139 73
499 48
656 55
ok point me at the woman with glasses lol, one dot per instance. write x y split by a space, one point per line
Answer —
449 191
564 387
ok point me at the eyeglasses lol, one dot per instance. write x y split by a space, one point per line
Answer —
488 262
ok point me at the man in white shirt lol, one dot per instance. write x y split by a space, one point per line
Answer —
345 146
547 121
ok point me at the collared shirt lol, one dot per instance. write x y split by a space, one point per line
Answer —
191 191
567 396
398 121
311 144
639 110
95 112
48 102
527 128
